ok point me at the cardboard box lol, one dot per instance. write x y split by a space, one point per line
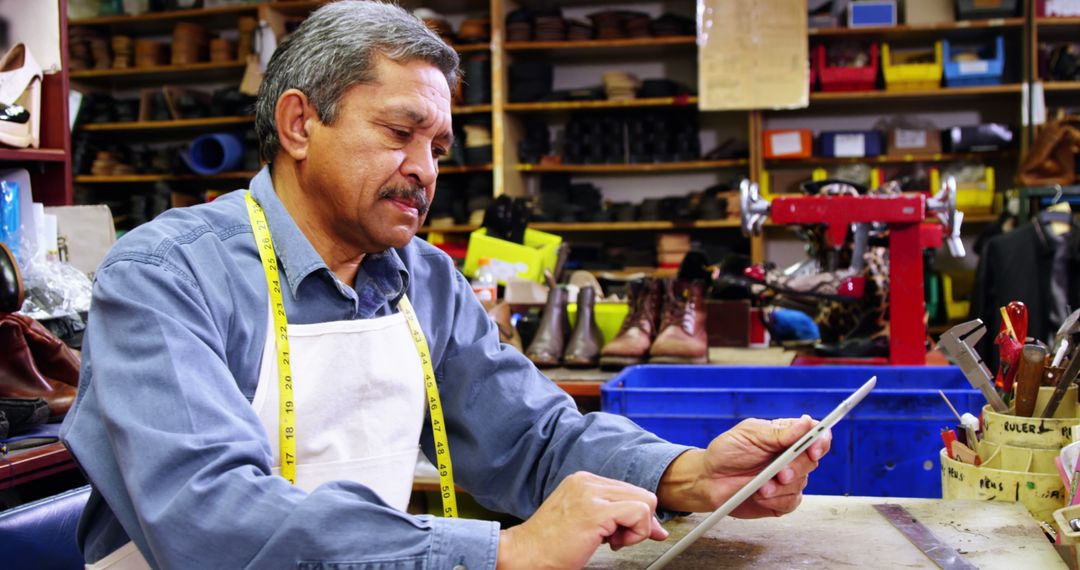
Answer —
928 11
900 142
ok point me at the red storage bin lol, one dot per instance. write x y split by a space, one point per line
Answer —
846 78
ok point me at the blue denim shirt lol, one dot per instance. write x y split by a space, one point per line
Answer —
180 464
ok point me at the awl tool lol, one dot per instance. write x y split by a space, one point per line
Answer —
1029 379
959 344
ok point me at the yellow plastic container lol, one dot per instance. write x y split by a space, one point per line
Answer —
975 199
900 76
508 259
609 317
956 306
1034 432
1006 474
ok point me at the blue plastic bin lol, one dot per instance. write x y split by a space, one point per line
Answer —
850 143
886 447
989 69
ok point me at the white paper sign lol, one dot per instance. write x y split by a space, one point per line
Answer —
909 138
849 145
784 144
973 67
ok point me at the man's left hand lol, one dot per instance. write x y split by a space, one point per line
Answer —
700 480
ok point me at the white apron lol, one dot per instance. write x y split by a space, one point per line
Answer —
359 393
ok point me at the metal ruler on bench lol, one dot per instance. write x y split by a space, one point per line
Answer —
942 554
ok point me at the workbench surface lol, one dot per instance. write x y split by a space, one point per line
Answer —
846 532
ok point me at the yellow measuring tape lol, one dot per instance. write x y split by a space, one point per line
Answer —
288 421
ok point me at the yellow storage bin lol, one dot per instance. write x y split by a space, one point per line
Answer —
1007 474
956 290
508 259
971 199
902 76
609 317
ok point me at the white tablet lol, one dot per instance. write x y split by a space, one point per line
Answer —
765 475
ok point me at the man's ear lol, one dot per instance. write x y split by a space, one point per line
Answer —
294 116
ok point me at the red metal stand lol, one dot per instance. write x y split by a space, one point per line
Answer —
908 236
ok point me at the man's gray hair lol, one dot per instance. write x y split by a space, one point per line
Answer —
336 48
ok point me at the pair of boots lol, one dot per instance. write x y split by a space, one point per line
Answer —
33 363
666 324
555 344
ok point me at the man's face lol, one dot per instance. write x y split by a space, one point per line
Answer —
372 173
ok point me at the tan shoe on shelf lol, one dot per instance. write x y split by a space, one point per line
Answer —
682 338
20 85
631 345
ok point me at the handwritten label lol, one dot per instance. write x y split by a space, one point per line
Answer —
1026 428
988 483
954 473
909 138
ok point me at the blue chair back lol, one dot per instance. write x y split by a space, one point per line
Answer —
41 534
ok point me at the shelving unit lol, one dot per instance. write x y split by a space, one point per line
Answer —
629 168
209 122
603 104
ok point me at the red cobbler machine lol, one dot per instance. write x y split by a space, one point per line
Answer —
903 214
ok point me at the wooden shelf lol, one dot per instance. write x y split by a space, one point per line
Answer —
1052 22
1061 86
935 158
144 178
688 101
630 168
194 72
470 109
471 48
32 155
170 17
603 44
157 125
603 226
944 92
920 29
455 169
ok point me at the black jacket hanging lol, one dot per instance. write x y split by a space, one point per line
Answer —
1017 266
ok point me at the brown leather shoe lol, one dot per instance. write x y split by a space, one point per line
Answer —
583 348
20 378
52 357
547 347
682 338
631 345
11 285
500 315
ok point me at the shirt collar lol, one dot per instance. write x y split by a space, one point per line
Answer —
299 259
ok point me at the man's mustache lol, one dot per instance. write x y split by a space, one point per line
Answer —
415 196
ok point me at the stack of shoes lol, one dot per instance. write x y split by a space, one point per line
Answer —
620 86
123 50
591 138
663 137
609 25
474 31
476 83
109 163
671 248
577 31
88 49
673 25
150 53
549 28
478 192
555 343
230 102
189 44
245 43
638 25
222 50
530 80
478 148
519 26
536 143
506 218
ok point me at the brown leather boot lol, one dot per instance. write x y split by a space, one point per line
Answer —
682 338
631 345
546 348
52 357
500 315
583 348
11 285
20 378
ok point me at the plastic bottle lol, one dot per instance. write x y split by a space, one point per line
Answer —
484 285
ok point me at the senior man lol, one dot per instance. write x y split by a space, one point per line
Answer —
190 398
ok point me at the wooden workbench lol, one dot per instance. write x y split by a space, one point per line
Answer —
846 532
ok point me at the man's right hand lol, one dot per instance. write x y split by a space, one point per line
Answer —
585 511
